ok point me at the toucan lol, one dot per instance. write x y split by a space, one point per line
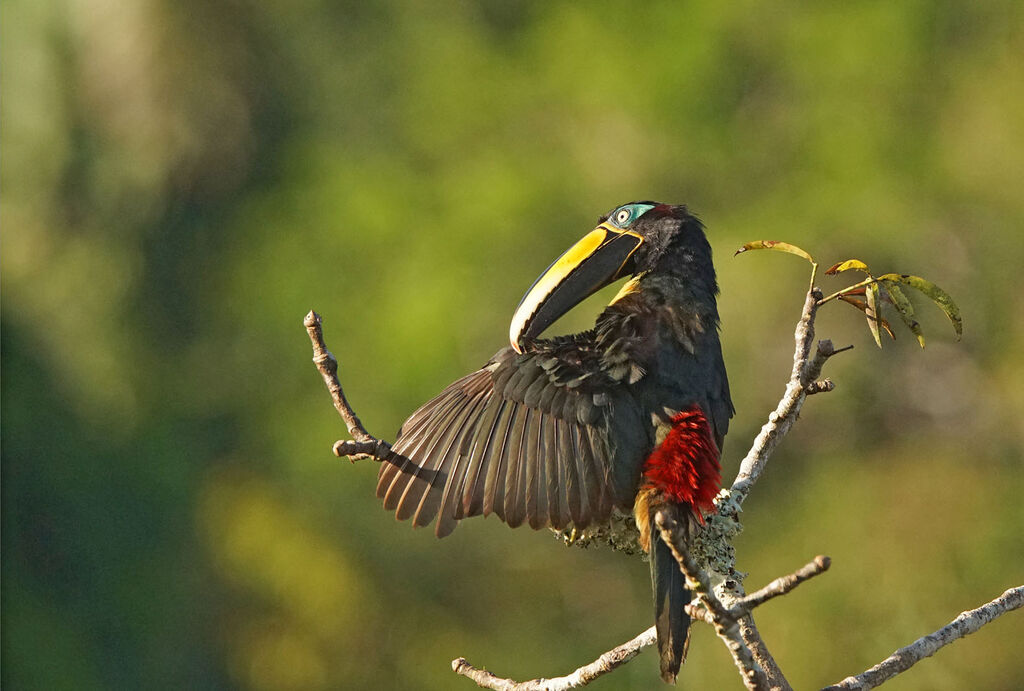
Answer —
562 431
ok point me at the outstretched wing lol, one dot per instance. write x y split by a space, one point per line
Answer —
525 438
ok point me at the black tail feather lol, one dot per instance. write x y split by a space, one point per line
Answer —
670 598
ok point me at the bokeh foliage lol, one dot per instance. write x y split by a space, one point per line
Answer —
183 180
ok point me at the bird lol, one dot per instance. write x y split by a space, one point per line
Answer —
561 432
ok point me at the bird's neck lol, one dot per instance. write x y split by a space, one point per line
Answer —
683 282
678 295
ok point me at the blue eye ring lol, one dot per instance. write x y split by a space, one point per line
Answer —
624 216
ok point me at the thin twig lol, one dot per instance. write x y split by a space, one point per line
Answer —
783 585
365 444
375 449
823 386
848 289
926 646
606 663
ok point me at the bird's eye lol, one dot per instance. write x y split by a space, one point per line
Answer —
622 216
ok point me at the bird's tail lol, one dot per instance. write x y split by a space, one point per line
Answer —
670 597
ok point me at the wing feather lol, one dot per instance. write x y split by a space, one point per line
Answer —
431 490
473 500
451 503
553 474
426 476
402 468
536 488
515 504
472 492
494 485
517 438
571 484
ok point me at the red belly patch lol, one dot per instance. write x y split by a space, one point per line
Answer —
685 466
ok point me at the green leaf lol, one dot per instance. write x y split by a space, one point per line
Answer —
775 245
871 311
849 264
905 309
935 294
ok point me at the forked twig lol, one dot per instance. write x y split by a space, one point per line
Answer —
622 654
363 444
724 621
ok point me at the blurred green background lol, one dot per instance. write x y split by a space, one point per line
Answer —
183 180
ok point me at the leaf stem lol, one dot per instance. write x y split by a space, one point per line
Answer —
840 293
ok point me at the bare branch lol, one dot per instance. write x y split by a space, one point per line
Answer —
606 663
806 370
696 611
741 609
365 444
905 658
725 623
783 585
375 449
622 654
752 637
802 382
823 386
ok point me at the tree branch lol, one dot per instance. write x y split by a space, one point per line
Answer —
823 386
722 618
926 646
752 637
622 654
802 382
803 377
783 585
365 445
606 663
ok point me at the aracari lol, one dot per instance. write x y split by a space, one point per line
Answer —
564 431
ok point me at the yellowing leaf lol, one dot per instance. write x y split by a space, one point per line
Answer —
905 309
849 264
935 294
775 245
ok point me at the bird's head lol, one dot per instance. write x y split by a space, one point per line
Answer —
628 241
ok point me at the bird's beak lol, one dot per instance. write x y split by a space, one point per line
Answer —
586 267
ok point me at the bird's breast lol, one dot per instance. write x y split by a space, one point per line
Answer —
684 467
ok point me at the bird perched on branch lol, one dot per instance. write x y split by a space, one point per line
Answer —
559 432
